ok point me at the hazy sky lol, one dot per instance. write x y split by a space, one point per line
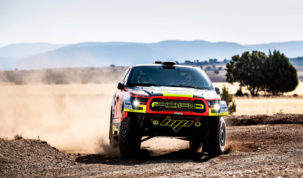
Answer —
72 21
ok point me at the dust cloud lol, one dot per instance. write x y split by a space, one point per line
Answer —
74 117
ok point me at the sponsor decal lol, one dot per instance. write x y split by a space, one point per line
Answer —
140 109
155 122
198 124
114 129
176 125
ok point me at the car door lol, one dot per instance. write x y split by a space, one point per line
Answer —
119 98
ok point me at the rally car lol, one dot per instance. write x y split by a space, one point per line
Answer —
165 99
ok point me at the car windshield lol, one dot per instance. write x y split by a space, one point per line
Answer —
173 76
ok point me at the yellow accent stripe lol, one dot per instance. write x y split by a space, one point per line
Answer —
143 110
216 114
178 95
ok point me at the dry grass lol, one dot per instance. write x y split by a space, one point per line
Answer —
267 105
233 88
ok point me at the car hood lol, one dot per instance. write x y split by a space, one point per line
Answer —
176 91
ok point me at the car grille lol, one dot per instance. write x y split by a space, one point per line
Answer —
160 104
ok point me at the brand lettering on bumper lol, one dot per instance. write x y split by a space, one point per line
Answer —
176 125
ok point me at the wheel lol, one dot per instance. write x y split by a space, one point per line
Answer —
195 144
216 136
113 140
129 138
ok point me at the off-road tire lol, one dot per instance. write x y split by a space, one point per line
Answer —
129 138
216 136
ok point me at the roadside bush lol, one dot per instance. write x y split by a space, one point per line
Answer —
239 92
228 98
18 137
232 108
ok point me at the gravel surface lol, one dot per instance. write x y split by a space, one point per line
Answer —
255 150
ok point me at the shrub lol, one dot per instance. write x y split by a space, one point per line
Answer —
280 75
18 137
239 92
232 108
228 98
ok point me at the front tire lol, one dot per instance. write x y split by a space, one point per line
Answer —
216 136
129 138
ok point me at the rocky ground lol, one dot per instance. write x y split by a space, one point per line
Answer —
257 146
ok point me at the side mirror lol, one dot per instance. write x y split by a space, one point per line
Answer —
217 90
120 86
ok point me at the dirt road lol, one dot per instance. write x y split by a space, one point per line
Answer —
270 149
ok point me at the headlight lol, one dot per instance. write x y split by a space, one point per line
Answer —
214 104
136 103
211 103
217 107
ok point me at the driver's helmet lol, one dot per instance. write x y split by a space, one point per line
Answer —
143 78
186 77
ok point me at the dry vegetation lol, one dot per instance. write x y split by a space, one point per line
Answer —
84 75
291 102
63 75
232 88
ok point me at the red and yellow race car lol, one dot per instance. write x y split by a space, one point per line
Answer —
165 99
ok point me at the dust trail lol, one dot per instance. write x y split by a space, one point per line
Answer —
104 148
73 118
69 117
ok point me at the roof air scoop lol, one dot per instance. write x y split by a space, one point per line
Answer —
165 63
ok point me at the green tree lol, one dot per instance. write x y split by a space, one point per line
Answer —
248 70
280 75
259 72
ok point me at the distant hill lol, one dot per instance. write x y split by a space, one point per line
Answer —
298 61
9 55
26 49
87 54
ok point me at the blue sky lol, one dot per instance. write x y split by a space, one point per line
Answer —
64 21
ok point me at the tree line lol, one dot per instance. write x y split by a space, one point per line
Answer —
272 73
197 62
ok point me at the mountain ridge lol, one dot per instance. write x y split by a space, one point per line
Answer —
46 55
